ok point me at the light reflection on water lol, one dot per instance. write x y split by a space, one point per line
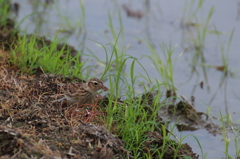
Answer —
164 26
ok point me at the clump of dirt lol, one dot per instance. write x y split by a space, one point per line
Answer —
156 140
15 144
91 141
132 13
106 144
187 118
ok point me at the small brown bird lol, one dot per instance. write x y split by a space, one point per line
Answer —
83 93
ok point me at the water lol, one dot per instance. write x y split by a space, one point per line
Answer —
161 24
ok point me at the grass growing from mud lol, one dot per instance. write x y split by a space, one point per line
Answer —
135 119
29 56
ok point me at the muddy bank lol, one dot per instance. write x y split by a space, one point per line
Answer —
33 124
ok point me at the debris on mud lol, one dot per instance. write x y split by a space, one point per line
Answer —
156 140
106 144
187 118
15 144
132 13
